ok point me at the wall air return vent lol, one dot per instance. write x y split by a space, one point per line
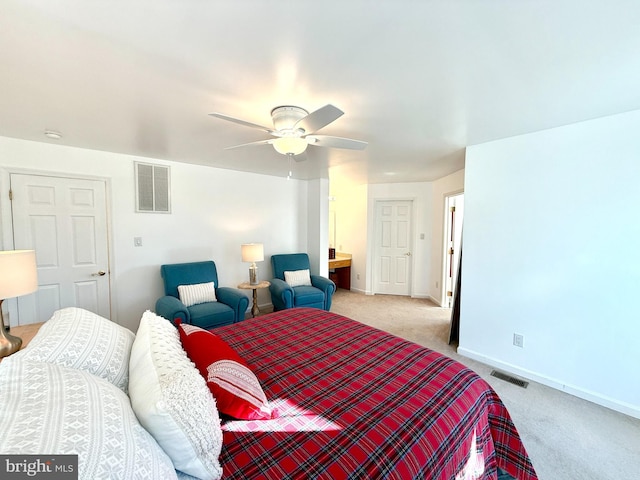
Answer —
509 378
153 188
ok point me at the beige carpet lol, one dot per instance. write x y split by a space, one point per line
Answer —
567 438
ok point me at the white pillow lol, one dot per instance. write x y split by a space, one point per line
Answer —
48 408
197 293
172 400
297 278
83 340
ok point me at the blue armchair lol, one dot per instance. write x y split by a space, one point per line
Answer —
229 308
283 296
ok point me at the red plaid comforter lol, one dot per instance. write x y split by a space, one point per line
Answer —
356 402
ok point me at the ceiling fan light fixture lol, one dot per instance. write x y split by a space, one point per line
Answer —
294 129
290 145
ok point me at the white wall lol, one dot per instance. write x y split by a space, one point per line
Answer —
350 206
318 226
214 211
421 194
442 187
551 252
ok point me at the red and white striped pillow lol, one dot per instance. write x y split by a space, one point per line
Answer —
235 387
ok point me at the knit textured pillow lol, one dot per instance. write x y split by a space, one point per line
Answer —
197 293
235 387
172 401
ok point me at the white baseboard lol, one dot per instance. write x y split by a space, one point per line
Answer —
437 302
265 307
357 290
612 403
421 295
417 295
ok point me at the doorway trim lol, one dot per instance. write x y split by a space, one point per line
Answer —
6 225
445 247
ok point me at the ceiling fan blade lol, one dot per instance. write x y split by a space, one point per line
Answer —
335 142
259 142
241 122
318 119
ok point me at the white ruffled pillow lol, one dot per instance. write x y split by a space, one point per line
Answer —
197 293
80 339
172 400
297 278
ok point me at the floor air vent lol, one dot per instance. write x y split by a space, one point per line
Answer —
509 378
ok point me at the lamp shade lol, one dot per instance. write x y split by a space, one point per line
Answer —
252 252
18 273
290 145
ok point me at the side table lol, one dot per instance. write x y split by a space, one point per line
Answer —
25 332
255 311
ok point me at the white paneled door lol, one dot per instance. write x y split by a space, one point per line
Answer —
393 260
65 221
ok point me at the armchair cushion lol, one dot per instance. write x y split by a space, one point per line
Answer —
306 295
210 315
187 274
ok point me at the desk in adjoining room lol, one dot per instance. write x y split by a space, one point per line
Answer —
340 270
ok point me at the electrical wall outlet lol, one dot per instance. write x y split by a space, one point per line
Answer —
518 340
137 241
357 276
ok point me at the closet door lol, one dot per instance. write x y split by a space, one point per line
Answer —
65 221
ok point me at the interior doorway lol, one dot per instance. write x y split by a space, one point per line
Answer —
453 215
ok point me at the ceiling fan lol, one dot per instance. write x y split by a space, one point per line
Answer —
294 128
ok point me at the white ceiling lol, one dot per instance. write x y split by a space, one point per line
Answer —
419 80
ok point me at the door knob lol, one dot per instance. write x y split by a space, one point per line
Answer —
101 273
408 254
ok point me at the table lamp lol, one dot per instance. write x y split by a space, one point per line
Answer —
253 252
18 276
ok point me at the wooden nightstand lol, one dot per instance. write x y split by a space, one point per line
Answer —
25 332
255 311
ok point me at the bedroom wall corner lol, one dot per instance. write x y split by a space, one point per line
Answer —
548 254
